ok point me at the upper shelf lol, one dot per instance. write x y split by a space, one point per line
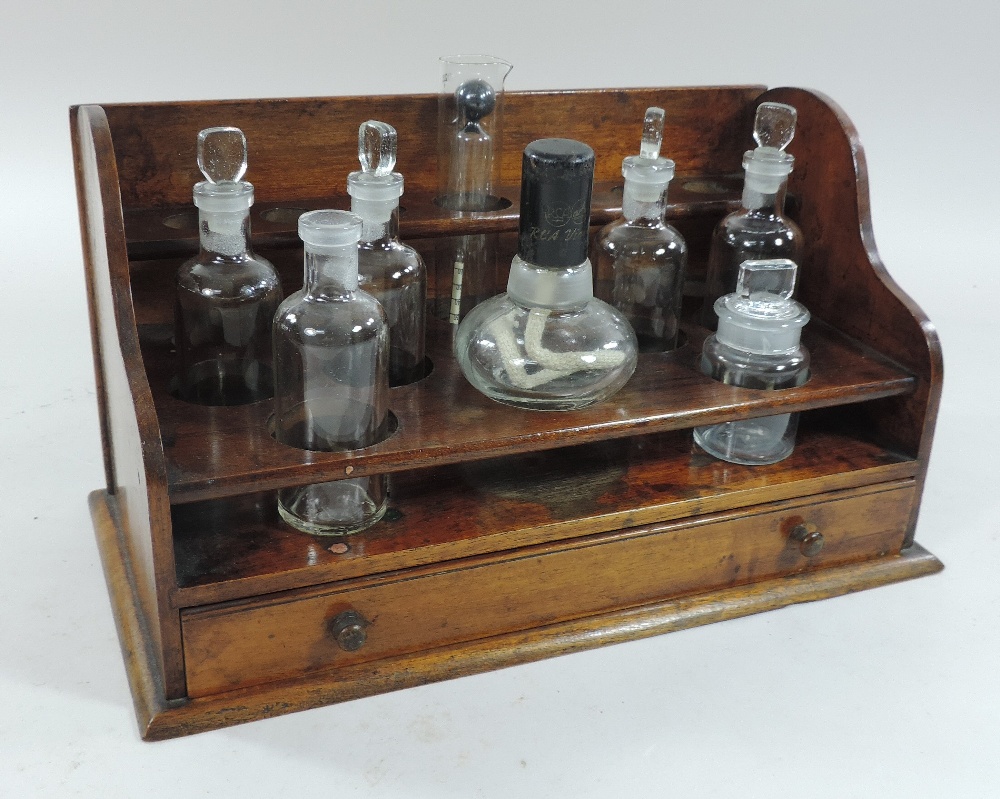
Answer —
214 452
172 231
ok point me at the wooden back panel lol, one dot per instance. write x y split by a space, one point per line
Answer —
304 148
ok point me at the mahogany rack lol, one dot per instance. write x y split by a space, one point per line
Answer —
512 535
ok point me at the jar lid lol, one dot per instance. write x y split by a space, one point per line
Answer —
761 317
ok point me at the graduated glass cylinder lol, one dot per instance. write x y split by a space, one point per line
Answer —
761 440
225 301
470 145
331 346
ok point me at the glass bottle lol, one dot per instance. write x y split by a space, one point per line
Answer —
759 230
757 346
548 343
331 352
226 295
470 145
389 270
642 259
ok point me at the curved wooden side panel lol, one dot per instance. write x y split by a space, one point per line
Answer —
844 281
133 454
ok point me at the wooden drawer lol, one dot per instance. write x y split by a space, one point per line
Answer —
290 634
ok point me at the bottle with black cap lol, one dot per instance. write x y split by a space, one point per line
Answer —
547 343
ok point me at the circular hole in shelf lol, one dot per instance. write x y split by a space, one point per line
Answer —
415 375
705 187
282 216
216 388
297 439
492 204
184 220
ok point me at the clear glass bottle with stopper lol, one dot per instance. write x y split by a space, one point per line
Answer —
641 259
548 343
759 230
389 270
331 353
226 295
757 346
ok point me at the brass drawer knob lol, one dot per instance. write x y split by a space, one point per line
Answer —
810 539
348 629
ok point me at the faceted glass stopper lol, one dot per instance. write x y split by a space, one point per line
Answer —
774 125
652 133
765 287
222 154
377 148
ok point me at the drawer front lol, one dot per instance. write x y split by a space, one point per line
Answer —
291 634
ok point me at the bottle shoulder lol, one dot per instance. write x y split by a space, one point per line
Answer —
622 237
397 262
753 223
245 278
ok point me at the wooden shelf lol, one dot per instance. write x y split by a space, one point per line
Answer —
216 452
503 504
173 230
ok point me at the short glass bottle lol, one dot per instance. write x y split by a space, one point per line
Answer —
226 295
548 343
331 352
757 346
641 259
760 229
389 270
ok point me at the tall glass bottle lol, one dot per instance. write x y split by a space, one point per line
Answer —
390 271
548 343
757 346
641 259
331 352
226 295
759 230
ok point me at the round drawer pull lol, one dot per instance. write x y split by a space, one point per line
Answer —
810 539
348 629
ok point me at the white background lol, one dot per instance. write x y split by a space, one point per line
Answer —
886 693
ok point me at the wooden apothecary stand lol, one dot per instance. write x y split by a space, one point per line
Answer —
514 535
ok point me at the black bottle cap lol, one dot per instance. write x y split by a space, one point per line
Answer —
557 178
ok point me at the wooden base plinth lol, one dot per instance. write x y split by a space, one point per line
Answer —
160 719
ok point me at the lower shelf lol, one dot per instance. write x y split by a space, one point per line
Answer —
160 719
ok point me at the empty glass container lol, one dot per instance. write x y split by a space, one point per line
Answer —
389 270
331 357
757 346
759 230
226 295
640 258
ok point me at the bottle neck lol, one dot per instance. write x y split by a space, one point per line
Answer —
765 203
331 272
376 231
224 235
638 209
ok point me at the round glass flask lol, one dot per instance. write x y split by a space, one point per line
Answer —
548 343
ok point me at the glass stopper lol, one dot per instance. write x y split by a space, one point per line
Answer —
765 287
222 154
652 133
377 148
774 125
